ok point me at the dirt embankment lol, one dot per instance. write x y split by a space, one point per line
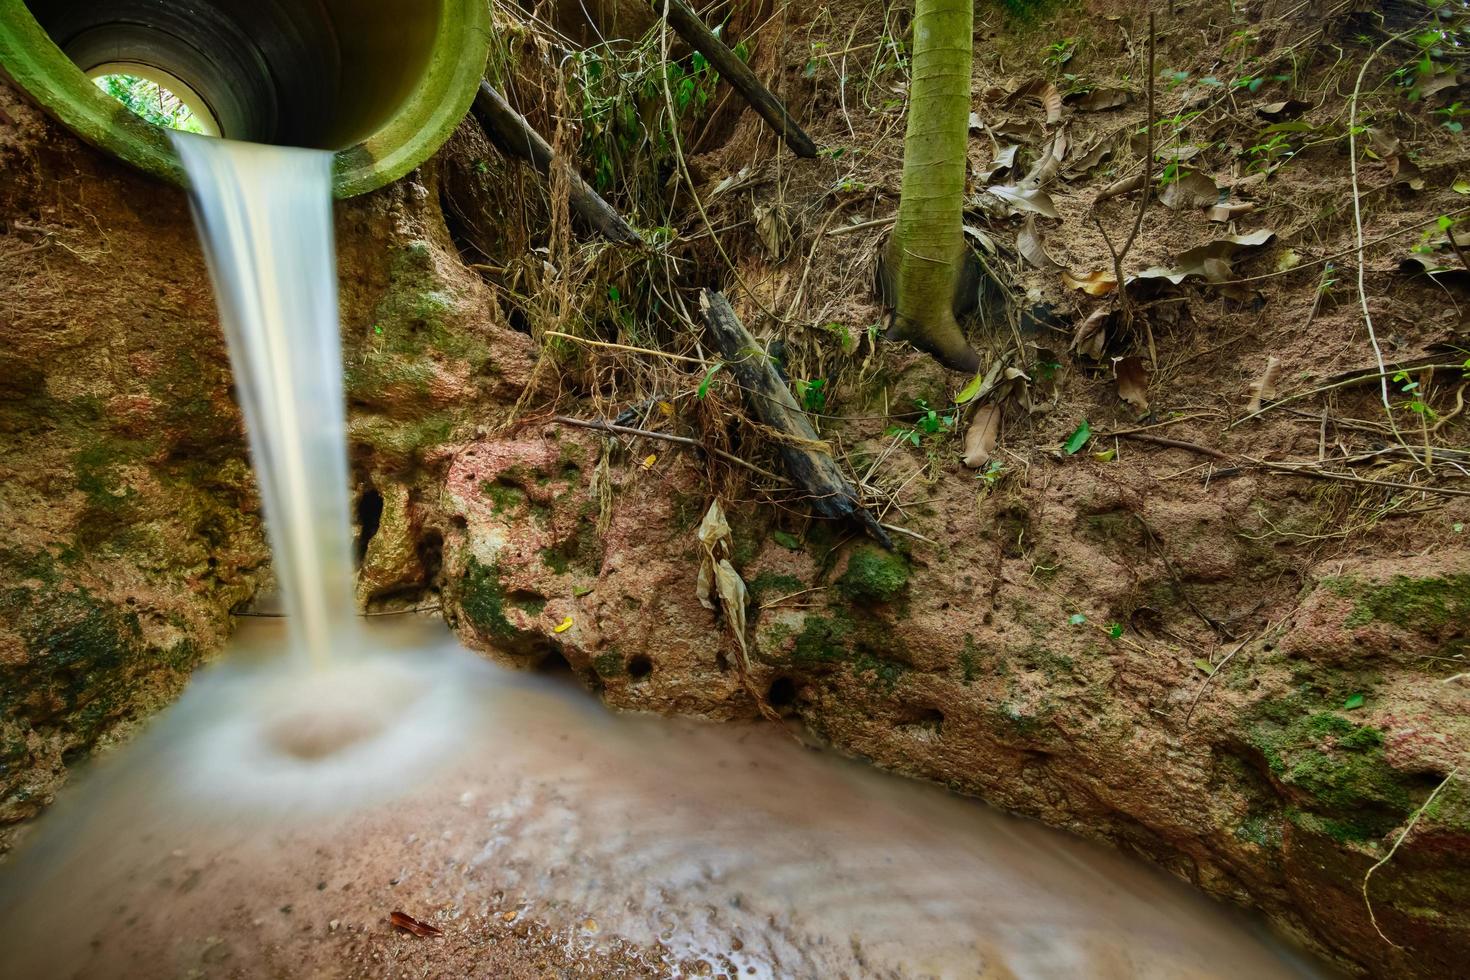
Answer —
1241 671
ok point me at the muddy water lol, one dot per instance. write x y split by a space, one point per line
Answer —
492 801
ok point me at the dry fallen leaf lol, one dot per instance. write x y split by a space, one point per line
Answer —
1099 99
1263 389
1044 92
406 922
1048 163
1024 199
981 437
1098 283
1032 248
1092 158
1178 154
1004 159
1091 335
1289 109
1190 190
1132 382
1229 212
717 577
1120 187
1210 260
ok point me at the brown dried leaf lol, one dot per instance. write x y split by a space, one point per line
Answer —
406 922
1099 99
1044 92
1437 84
1047 164
1023 132
1132 382
1210 260
1190 190
1229 212
1091 335
1289 109
1032 247
1178 154
1004 159
1098 283
1020 199
981 437
1263 389
1091 158
1120 187
1051 99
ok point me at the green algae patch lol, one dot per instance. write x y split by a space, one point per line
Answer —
482 597
822 640
874 575
772 585
608 664
1334 769
1421 605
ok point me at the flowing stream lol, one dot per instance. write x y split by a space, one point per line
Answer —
265 220
268 823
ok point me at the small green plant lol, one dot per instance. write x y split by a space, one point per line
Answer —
930 423
1270 153
813 394
1415 402
1058 53
992 474
1080 437
1452 114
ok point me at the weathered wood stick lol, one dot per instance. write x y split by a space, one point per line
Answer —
811 469
509 131
686 24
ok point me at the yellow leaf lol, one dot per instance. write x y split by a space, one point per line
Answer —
563 626
666 407
1098 283
648 463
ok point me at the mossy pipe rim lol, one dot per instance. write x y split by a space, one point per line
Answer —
415 129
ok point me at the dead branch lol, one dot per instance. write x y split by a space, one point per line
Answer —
509 131
810 468
686 24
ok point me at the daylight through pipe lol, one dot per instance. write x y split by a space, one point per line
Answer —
382 82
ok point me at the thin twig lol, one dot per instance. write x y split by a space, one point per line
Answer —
1219 667
1358 239
1165 441
1394 849
631 350
666 437
1316 474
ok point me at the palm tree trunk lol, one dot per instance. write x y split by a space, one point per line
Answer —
927 250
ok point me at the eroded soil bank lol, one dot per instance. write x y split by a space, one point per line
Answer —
1242 674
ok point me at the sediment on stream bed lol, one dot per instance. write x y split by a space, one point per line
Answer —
1243 675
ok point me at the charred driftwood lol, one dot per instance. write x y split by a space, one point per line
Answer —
803 454
509 131
686 24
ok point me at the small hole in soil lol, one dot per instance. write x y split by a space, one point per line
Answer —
639 667
931 718
553 662
519 322
782 692
431 555
369 519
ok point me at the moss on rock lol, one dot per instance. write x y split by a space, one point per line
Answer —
874 575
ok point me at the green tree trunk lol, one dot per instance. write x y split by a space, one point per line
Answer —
926 254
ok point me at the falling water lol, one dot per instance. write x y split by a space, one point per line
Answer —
265 219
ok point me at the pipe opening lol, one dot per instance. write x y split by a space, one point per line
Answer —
324 74
156 96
